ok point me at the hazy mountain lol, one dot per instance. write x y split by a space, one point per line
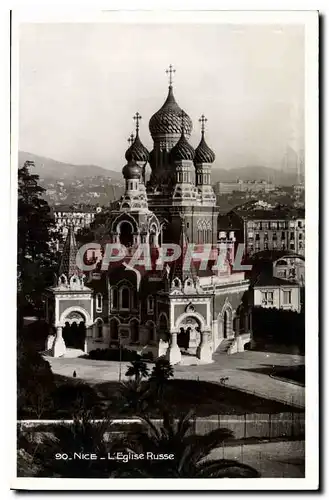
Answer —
257 173
48 168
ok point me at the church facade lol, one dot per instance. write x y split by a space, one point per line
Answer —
172 310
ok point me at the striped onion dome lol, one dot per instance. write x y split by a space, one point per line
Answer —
168 120
131 170
182 150
137 151
203 153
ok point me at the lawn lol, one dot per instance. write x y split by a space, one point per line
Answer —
205 398
295 374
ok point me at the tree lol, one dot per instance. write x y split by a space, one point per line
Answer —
161 373
135 395
138 369
189 451
36 259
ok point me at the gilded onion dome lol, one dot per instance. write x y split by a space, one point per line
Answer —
168 120
137 151
203 153
131 170
182 150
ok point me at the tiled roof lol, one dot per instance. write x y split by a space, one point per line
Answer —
68 265
264 279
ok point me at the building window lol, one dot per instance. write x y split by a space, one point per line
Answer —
134 330
300 224
287 297
124 298
292 236
265 236
265 245
114 298
292 246
274 225
300 236
283 235
300 245
114 329
267 298
150 304
99 302
257 236
99 325
274 237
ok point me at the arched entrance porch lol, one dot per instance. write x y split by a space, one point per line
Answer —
189 334
74 334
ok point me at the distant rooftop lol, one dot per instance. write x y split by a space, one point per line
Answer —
73 209
263 210
265 279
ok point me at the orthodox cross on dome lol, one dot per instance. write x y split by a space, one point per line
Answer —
203 120
131 139
137 117
170 71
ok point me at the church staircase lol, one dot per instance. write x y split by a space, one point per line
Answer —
224 346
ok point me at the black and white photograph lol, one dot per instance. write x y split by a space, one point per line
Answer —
165 170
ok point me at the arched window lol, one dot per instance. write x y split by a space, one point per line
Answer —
134 330
126 234
124 298
114 298
99 302
150 304
99 330
163 327
151 331
134 299
177 282
114 329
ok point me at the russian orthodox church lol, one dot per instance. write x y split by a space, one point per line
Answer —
174 312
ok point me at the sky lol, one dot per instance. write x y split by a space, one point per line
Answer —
81 84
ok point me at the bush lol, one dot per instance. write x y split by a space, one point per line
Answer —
70 399
35 383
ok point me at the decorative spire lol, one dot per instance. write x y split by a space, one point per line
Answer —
131 139
170 72
68 265
203 120
137 118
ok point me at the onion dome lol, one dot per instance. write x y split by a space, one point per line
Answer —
182 150
203 153
168 120
137 151
131 170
